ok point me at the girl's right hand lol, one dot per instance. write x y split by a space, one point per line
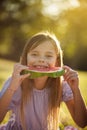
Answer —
17 78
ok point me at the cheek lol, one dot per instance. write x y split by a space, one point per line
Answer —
52 62
29 60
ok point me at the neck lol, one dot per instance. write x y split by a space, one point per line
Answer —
40 82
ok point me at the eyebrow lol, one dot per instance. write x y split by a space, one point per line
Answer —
33 51
49 52
46 52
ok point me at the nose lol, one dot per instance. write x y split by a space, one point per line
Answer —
41 59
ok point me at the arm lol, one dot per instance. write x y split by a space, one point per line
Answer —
76 106
16 81
4 102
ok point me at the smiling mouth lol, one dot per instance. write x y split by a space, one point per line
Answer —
40 66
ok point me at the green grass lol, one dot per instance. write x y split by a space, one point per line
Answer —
6 68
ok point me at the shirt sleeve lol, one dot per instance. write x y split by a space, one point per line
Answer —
5 86
16 97
67 93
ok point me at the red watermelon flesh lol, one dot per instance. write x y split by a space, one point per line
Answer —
40 71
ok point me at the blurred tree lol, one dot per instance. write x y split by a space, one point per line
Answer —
82 1
20 19
74 39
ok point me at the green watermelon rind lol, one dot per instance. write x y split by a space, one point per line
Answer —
36 74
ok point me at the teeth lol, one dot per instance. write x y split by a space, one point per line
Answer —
41 67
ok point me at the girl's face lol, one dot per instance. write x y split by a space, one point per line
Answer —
43 56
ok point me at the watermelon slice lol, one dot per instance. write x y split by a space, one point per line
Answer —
38 72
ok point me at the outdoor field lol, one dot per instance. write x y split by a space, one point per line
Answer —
65 118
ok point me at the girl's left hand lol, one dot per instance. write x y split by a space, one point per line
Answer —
71 76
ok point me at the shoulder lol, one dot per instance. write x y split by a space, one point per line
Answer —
66 92
5 86
17 94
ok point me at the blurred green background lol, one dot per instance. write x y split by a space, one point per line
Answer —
20 19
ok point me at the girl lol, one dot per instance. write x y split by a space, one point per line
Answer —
35 102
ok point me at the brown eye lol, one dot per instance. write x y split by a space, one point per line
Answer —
49 56
34 54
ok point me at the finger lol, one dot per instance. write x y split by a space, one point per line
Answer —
18 65
72 76
18 68
67 68
25 76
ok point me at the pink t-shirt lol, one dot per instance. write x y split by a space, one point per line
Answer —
36 109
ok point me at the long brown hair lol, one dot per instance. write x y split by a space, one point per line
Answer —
54 83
